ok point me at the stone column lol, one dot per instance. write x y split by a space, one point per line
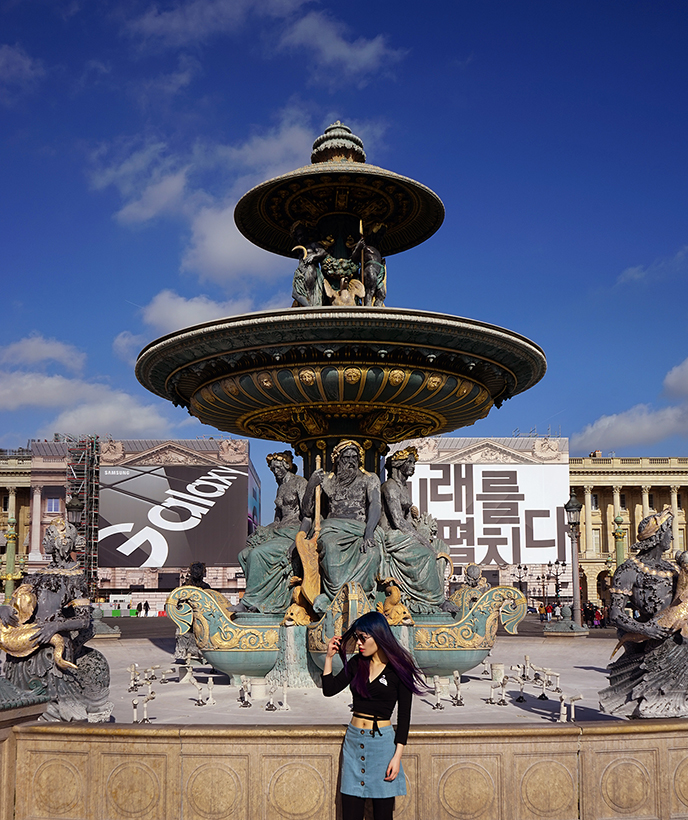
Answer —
617 500
12 502
36 504
674 523
638 518
646 501
588 519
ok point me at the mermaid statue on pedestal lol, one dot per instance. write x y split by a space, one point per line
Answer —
651 678
48 626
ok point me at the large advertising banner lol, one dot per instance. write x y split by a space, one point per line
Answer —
497 514
171 516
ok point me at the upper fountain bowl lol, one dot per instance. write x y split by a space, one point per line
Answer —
316 374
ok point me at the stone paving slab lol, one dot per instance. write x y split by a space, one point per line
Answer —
580 661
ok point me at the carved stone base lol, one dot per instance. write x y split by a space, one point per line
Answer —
590 770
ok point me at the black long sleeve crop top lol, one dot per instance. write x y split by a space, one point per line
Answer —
384 692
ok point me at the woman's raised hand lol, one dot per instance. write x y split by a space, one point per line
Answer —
333 646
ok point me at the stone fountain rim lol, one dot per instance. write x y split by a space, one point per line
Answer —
156 352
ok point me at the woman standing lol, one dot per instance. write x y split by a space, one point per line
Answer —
381 675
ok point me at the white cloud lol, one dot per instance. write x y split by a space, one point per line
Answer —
664 266
126 346
273 152
162 195
641 425
114 413
194 21
335 57
93 73
29 389
676 380
154 181
35 349
168 311
129 164
84 407
19 73
218 252
152 91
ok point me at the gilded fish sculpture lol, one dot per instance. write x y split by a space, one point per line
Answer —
235 644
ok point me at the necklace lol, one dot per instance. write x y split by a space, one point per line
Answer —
661 573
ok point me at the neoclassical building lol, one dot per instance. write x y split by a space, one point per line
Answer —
15 495
632 488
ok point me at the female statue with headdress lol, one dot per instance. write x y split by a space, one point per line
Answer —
267 558
651 677
410 555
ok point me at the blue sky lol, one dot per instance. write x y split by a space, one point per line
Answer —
555 133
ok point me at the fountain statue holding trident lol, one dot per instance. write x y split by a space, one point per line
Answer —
350 541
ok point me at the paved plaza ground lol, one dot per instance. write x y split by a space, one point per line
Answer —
581 663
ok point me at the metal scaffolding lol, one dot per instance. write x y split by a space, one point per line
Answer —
83 485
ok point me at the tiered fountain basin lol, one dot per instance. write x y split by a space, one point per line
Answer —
311 376
248 644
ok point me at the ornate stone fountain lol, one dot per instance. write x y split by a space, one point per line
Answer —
340 365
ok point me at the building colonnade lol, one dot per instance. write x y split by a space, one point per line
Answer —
631 488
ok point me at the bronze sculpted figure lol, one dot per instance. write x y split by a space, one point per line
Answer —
651 677
350 542
267 559
410 556
307 288
196 576
373 265
53 603
19 638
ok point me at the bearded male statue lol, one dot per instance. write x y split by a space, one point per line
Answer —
350 541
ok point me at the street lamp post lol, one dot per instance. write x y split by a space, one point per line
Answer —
543 580
556 570
573 510
520 573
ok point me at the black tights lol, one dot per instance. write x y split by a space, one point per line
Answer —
353 807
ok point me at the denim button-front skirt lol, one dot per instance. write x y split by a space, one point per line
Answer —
364 764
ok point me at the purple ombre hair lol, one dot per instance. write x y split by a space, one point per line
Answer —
375 624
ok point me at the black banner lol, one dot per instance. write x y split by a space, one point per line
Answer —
170 516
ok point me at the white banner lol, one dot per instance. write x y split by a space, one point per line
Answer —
495 513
